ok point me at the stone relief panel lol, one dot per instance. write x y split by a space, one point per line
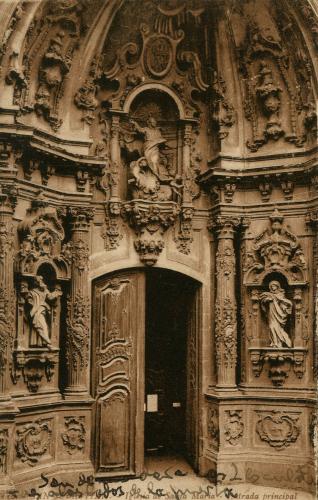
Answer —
277 429
74 436
233 427
274 66
34 441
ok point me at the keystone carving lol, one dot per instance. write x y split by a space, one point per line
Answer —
150 220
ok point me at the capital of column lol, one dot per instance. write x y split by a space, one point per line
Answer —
225 226
80 218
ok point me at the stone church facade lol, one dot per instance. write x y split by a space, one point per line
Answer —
158 236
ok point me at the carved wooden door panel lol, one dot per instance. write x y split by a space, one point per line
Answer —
118 373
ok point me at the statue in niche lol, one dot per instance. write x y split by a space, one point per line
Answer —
278 308
153 141
39 298
150 173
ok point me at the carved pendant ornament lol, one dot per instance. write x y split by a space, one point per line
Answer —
233 427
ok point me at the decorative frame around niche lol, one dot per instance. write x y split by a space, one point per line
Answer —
276 255
42 272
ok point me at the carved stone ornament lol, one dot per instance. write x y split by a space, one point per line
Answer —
154 52
41 234
213 427
150 220
74 436
4 438
33 441
278 429
279 363
185 237
233 426
275 249
276 71
223 114
313 429
112 233
33 365
78 331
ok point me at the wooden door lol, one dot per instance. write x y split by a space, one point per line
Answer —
118 373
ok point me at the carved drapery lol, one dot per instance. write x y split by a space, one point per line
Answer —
225 303
77 339
7 294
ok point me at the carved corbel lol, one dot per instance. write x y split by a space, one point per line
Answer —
81 177
46 172
279 363
30 166
150 220
287 188
265 188
33 365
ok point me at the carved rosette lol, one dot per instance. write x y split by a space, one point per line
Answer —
150 220
74 436
278 430
33 440
225 303
233 427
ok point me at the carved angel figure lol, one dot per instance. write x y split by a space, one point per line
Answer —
278 308
39 298
152 141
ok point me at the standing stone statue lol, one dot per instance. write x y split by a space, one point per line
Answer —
152 141
278 308
39 298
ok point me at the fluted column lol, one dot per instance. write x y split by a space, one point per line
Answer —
225 303
7 294
78 307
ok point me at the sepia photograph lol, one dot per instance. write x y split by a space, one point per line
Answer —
159 249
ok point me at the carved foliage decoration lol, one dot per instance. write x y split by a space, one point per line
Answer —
33 441
78 331
233 427
275 249
41 234
4 437
74 436
223 114
278 429
213 427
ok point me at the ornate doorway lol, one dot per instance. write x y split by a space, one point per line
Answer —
144 368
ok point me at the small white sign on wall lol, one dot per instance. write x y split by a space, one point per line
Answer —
152 403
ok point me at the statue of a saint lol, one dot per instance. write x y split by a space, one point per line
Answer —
152 141
278 308
39 298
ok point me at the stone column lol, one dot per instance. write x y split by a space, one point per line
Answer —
114 159
225 303
78 306
7 295
186 161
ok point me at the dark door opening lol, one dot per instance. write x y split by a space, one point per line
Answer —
168 300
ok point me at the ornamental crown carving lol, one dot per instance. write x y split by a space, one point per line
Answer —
41 234
275 250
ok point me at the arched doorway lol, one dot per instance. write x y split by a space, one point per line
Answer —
145 368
